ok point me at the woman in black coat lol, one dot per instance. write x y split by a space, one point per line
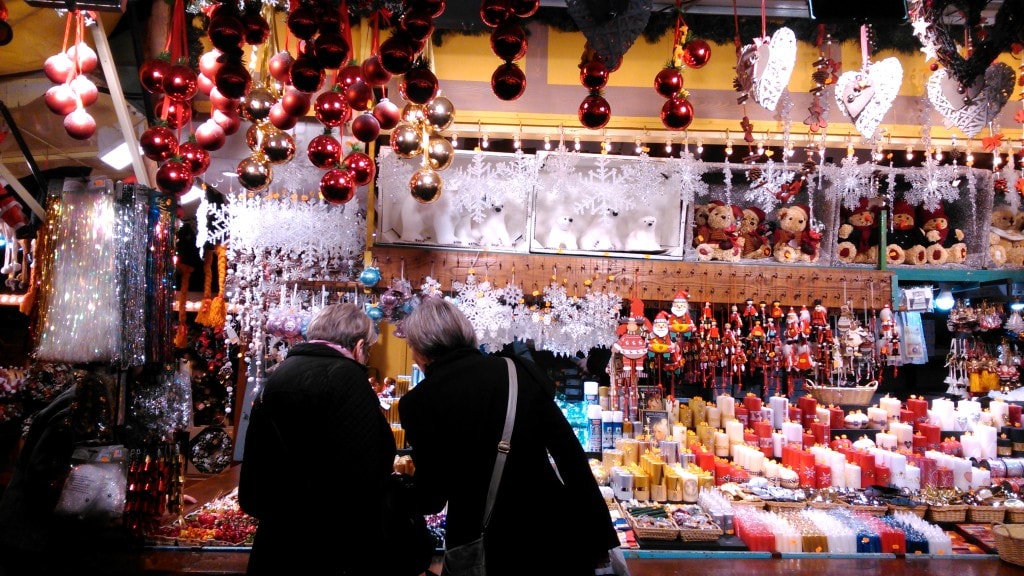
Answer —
319 450
453 420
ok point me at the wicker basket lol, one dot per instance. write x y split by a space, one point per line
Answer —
700 534
643 532
871 509
919 511
948 513
986 514
1010 542
1014 516
753 504
843 395
784 505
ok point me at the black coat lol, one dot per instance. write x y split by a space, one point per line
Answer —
453 421
318 451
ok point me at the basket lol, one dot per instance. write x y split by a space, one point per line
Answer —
1010 543
1014 516
784 505
919 510
871 509
986 514
843 395
700 534
948 513
643 532
752 504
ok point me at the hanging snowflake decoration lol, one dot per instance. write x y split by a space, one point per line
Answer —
643 180
727 179
488 180
514 180
766 183
931 185
605 189
430 288
686 175
211 224
484 308
851 181
560 169
601 309
393 175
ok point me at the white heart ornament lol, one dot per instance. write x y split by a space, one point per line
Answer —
772 67
987 96
866 95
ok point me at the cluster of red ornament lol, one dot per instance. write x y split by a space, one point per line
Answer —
677 112
508 42
594 111
73 91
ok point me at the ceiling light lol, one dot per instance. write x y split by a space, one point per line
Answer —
1017 305
118 158
944 301
194 193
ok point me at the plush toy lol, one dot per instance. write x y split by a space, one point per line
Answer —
562 235
859 236
700 221
755 233
794 240
945 245
644 236
720 239
1004 239
906 240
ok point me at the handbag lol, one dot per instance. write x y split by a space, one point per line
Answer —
469 559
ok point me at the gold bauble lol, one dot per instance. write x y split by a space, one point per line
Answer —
425 185
257 103
414 114
440 152
256 135
440 113
278 146
255 173
405 140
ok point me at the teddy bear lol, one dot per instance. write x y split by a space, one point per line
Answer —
700 221
946 246
906 241
720 238
1006 243
859 236
794 240
755 234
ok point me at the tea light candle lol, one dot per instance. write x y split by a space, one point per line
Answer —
779 405
877 417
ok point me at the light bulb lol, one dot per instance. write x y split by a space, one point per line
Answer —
938 154
849 150
668 145
944 301
484 141
760 148
997 159
455 139
910 153
639 146
576 143
728 147
700 146
547 142
1017 305
970 158
516 142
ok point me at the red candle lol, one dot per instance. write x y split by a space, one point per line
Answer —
722 475
883 476
763 428
808 404
868 472
918 407
752 403
907 416
951 446
808 439
836 417
931 433
928 468
790 456
743 415
806 470
820 432
841 443
944 477
706 460
822 476
750 437
1014 414
919 443
795 414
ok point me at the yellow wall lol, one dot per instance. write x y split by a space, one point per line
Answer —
391 356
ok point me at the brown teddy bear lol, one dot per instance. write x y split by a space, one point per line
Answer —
946 246
859 236
906 241
794 240
700 221
755 233
1006 242
720 238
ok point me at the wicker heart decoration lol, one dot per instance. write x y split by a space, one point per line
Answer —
764 66
981 102
610 33
867 94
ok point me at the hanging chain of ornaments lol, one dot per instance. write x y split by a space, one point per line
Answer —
826 73
74 91
595 111
508 42
677 112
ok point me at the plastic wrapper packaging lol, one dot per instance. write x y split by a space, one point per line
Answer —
95 488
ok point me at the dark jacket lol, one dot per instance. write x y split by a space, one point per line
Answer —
318 450
453 421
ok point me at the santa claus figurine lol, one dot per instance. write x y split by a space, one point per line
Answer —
660 345
680 322
632 344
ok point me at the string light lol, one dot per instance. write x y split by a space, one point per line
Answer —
639 145
668 146
455 139
997 158
484 141
910 152
877 155
576 143
969 159
938 154
547 142
517 139
700 146
607 144
760 147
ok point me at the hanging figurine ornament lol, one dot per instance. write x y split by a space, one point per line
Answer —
826 74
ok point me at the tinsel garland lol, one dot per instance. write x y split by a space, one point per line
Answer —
81 321
133 236
160 272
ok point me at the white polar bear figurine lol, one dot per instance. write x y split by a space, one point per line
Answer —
561 235
493 230
644 237
602 235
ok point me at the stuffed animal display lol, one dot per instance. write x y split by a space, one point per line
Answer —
794 239
945 245
1006 240
858 236
755 233
906 240
720 238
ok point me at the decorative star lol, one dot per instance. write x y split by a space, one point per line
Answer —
990 143
920 26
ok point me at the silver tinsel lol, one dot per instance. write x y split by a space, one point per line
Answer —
132 240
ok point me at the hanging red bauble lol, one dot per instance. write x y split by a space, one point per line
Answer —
524 8
433 7
397 53
696 53
79 124
303 21
233 79
365 127
668 82
254 173
58 68
595 112
508 41
324 151
226 31
179 112
84 57
373 72
280 66
205 83
158 143
295 102
257 29
180 82
210 135
349 75
210 62
508 82
60 99
387 113
361 167
281 119
229 121
359 95
419 85
331 108
336 186
332 50
495 12
278 146
306 74
677 113
151 74
195 156
173 178
417 23
594 74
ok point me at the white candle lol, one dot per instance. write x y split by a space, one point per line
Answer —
721 444
912 478
968 414
837 465
780 410
727 405
962 474
1000 410
980 478
970 446
768 415
734 429
943 411
793 432
885 440
891 406
986 436
852 475
904 434
679 432
877 417
823 415
756 462
713 416
778 441
771 469
898 470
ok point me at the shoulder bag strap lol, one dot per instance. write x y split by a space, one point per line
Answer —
504 444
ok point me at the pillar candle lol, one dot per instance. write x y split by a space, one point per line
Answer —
752 402
904 434
768 415
796 414
986 436
1013 414
838 467
877 417
891 406
867 470
780 410
852 473
943 408
970 446
721 444
722 472
822 476
918 443
931 433
807 404
980 478
836 417
820 431
951 446
963 474
734 431
793 432
743 415
919 407
886 440
755 463
806 470
807 439
727 405
928 468
883 476
912 478
750 437
906 416
706 460
944 478
823 414
713 416
778 442
898 470
678 432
